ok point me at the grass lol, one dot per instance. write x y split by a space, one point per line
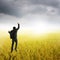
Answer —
45 47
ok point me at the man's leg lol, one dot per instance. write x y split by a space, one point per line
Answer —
16 45
12 45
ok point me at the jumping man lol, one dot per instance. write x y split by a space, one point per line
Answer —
13 36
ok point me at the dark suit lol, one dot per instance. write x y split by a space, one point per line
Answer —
13 36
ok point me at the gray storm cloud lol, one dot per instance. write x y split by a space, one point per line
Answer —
7 7
25 8
21 7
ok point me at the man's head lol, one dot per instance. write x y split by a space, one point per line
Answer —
14 28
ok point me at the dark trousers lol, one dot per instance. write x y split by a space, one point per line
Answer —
14 41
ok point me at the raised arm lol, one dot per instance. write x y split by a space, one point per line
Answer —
18 26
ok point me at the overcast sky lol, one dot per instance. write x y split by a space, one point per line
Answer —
44 14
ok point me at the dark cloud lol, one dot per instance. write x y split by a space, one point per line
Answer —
7 7
54 3
20 8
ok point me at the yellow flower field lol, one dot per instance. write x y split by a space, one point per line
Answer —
46 47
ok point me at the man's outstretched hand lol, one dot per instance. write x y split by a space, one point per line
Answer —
8 31
18 23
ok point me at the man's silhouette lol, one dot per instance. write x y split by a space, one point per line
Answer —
13 36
